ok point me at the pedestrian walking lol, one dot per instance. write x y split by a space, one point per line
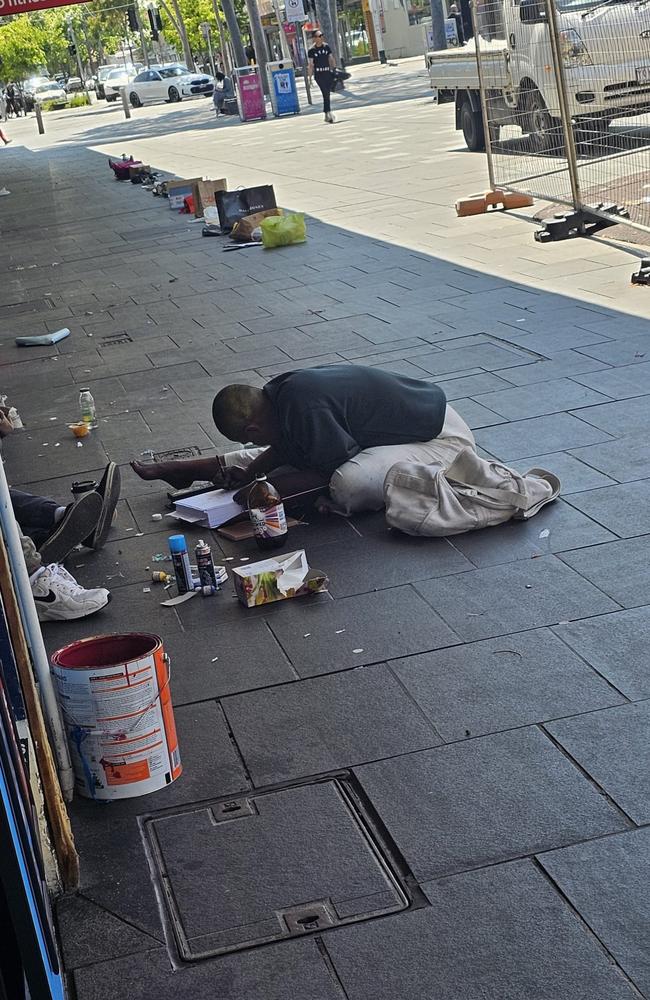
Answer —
458 18
4 138
321 69
223 91
3 106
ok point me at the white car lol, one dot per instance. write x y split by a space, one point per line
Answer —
50 92
168 83
116 79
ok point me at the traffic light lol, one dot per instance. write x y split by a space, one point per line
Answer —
132 18
72 49
155 22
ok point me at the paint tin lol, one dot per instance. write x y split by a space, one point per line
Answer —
114 695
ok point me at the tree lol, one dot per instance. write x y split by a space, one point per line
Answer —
21 49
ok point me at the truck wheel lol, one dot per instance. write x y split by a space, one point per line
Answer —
471 123
544 131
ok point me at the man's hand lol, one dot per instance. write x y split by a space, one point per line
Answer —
6 426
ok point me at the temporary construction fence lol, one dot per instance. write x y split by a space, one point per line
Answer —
565 88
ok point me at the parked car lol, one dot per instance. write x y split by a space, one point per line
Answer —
169 83
102 73
51 92
116 79
74 84
28 88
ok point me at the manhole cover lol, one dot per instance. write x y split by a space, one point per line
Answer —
270 865
34 305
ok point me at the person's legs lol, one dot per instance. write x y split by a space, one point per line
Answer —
359 483
324 85
4 138
33 560
37 515
179 474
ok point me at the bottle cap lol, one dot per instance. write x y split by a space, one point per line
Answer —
177 543
84 389
261 478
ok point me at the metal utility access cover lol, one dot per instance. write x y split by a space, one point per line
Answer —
268 866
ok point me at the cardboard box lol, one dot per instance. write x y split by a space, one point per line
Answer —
178 190
277 579
204 194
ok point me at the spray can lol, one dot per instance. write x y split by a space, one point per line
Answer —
205 568
181 563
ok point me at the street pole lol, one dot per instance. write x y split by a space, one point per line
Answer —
73 39
259 41
284 43
143 42
235 34
438 33
306 46
206 31
379 35
222 37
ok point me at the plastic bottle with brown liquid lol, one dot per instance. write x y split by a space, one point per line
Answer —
267 515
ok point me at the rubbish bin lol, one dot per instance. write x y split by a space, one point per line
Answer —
284 93
250 93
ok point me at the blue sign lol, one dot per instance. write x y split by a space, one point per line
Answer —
285 92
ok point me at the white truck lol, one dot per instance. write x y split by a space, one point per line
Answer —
605 49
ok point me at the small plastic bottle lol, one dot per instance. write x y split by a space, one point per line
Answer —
267 515
87 407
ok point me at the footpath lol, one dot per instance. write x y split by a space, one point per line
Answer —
432 781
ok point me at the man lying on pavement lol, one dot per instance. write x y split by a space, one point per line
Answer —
336 427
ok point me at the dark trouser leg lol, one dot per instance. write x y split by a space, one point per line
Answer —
325 89
35 515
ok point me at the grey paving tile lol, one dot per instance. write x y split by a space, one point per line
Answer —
496 684
155 377
620 383
624 509
551 342
521 595
367 628
326 723
385 560
554 432
562 365
626 416
486 800
616 646
551 397
487 356
294 968
607 882
470 385
477 415
501 932
613 748
619 569
222 660
625 459
574 475
555 529
630 350
82 924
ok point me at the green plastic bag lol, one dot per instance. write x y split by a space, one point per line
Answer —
283 230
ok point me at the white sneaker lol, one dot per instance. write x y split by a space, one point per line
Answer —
58 596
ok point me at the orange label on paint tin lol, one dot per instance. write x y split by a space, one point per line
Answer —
124 774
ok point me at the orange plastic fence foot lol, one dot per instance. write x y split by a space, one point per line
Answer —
478 204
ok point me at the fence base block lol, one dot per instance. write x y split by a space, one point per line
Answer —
478 204
584 222
642 276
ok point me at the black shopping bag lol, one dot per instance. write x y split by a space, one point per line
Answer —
235 205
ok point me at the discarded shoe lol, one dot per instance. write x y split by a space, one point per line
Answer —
58 596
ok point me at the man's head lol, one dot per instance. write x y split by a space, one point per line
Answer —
244 413
318 38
